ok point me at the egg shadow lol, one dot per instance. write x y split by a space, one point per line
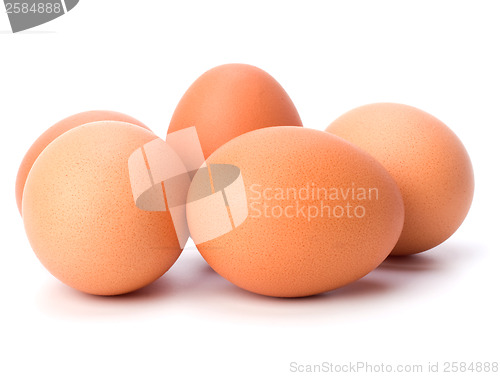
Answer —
212 296
439 259
411 263
365 286
397 278
57 299
193 285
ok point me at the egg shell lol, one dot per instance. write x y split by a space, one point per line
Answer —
80 216
427 160
230 100
294 255
55 131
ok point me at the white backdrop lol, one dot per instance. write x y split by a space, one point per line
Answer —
138 57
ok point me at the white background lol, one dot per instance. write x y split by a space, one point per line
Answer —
138 57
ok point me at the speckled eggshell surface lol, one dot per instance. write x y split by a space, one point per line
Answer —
427 160
80 216
230 100
289 254
55 131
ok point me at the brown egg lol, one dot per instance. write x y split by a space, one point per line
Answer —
80 216
320 213
55 131
230 100
427 160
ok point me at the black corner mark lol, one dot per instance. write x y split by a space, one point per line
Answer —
26 14
70 4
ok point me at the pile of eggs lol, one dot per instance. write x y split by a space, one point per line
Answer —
324 207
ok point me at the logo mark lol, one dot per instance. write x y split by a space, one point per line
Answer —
26 14
163 172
